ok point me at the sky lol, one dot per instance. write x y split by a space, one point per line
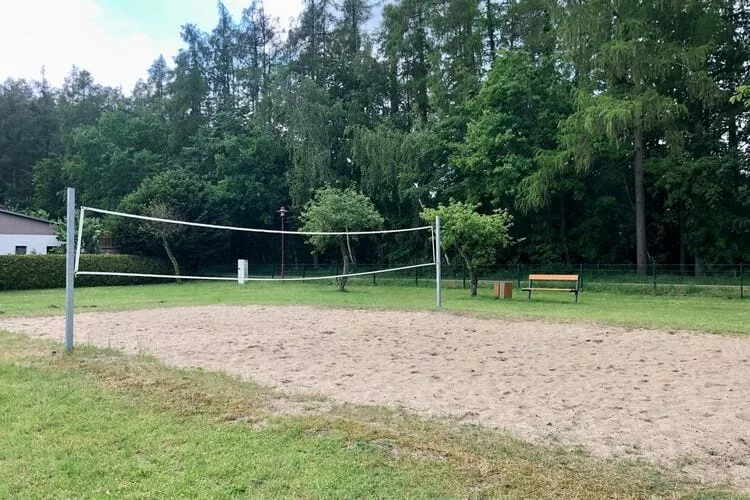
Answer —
115 40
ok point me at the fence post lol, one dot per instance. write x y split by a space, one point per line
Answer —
580 277
464 280
653 272
373 274
518 274
742 284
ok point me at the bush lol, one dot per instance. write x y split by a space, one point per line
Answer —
24 272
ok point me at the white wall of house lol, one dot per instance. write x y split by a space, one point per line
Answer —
34 243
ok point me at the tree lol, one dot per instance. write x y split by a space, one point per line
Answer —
178 195
338 210
310 40
111 158
189 88
29 131
315 124
625 54
407 49
257 50
222 47
514 116
475 237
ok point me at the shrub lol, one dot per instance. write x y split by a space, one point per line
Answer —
24 272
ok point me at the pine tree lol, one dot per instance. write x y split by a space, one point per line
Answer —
623 51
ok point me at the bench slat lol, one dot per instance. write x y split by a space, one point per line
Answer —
553 277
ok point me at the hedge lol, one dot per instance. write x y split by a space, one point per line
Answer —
24 272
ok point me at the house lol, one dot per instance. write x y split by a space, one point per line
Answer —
23 234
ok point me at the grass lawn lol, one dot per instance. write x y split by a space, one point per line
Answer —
670 313
95 423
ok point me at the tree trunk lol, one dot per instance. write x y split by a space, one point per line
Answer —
490 30
640 203
345 257
474 283
472 273
172 259
733 138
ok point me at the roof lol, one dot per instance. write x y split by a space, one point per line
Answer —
31 217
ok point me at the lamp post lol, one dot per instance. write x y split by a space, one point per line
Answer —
282 212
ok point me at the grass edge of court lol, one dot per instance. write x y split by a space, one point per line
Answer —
711 315
485 461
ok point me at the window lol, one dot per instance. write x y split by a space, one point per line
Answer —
20 250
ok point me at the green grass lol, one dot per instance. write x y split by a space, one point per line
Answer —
95 423
708 314
64 434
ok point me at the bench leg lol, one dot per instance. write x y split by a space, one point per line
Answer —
576 296
529 294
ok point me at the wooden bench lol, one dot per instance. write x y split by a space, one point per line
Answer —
567 278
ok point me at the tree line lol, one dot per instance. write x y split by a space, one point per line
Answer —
607 129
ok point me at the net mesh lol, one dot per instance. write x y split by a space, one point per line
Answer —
396 252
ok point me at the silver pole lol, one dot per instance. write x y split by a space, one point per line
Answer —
70 268
437 261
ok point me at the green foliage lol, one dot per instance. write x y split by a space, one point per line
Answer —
93 229
578 116
183 196
477 238
513 119
27 134
315 122
337 210
395 168
25 272
111 158
742 95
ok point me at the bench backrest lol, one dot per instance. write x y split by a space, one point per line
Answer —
553 277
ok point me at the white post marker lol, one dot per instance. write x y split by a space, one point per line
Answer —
241 271
70 268
437 261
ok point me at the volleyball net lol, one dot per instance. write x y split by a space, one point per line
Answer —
365 250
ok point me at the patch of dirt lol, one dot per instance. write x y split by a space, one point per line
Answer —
620 392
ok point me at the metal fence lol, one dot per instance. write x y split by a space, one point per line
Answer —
722 280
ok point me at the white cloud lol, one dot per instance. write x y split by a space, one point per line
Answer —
284 10
57 34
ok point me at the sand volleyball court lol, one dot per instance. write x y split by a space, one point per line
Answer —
674 398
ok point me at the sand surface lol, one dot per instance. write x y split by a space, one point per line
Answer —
678 399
